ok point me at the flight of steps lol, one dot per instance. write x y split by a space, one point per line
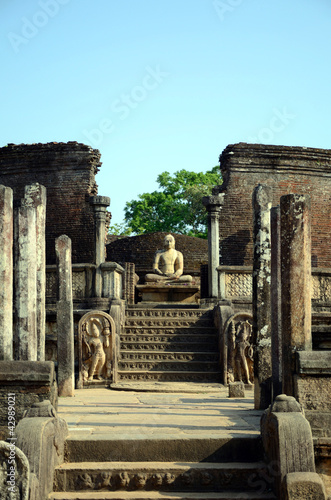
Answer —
223 469
171 344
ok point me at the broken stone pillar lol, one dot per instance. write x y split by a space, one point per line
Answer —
213 206
276 327
296 282
6 273
100 204
65 318
261 297
30 277
35 196
25 262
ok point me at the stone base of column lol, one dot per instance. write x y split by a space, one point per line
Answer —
23 383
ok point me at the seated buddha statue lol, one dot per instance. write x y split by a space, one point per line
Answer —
168 264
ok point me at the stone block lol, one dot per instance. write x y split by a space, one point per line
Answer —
303 485
236 390
28 382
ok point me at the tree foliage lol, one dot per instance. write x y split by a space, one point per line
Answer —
176 206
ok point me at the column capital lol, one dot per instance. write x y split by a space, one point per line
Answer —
100 203
214 202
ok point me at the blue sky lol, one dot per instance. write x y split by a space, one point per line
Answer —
161 85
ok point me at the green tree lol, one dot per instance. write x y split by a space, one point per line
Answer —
176 207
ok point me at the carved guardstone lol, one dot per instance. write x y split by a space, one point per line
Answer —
238 349
96 349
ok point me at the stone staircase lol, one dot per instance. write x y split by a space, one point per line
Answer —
94 471
170 344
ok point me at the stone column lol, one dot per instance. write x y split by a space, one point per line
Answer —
213 206
276 317
35 196
25 262
261 297
6 273
65 318
100 204
296 281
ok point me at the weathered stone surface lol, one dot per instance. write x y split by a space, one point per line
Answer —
213 206
41 409
14 473
35 197
6 273
296 281
24 383
276 318
262 297
313 392
287 439
64 318
25 284
100 204
303 485
42 441
236 390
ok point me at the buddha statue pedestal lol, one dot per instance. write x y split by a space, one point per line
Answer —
169 292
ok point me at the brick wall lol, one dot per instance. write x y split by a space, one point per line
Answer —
68 172
285 170
141 249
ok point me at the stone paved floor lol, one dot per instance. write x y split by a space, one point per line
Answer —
185 410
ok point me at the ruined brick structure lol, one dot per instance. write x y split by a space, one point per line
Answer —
141 249
67 170
286 170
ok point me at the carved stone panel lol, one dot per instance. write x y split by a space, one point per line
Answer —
96 349
239 348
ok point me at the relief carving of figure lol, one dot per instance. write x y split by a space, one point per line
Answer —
238 332
168 264
96 331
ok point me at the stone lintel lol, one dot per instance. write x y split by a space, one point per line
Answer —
38 372
316 363
112 266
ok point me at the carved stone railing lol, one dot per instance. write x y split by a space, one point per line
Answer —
235 282
83 281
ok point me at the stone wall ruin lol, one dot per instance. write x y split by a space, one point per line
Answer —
284 170
67 170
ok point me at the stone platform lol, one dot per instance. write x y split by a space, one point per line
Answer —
164 293
190 411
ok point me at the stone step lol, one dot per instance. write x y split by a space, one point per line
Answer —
170 312
165 330
168 366
152 356
163 376
159 476
164 346
102 447
168 322
155 495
